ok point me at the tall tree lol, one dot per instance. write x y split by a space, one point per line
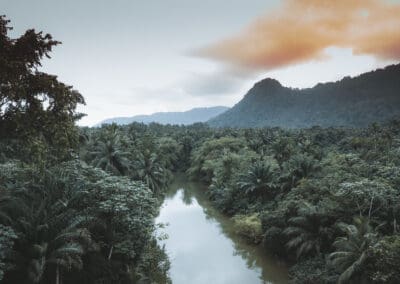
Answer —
308 231
51 234
351 250
108 154
259 180
149 169
34 106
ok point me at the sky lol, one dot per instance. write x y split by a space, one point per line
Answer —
130 57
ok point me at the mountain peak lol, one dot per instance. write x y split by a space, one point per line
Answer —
353 102
268 83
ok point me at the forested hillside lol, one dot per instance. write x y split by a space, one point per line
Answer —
354 102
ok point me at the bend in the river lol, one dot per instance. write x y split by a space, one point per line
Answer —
202 246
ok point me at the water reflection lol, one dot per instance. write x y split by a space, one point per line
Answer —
202 246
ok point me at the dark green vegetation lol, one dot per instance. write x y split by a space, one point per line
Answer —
78 205
355 102
186 117
326 200
75 206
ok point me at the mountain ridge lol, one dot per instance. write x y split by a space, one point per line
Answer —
352 101
200 114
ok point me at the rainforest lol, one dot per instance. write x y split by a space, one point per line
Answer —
193 203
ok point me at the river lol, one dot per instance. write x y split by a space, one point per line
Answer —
202 246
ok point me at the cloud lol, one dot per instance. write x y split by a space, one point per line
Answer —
299 31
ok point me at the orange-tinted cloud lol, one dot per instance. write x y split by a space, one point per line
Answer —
301 30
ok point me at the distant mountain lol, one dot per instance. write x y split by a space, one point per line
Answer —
354 102
187 117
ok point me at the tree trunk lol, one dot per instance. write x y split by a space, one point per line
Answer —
57 274
110 253
370 208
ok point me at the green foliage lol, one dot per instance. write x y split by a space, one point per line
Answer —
7 237
78 205
274 242
368 197
205 156
37 112
170 150
302 183
351 250
309 231
149 168
155 265
313 270
298 167
108 154
383 261
72 211
290 201
283 149
249 227
51 233
134 152
260 180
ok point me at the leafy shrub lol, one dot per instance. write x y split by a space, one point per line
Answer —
249 227
312 271
383 264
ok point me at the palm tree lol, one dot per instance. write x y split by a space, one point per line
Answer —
259 180
7 237
308 231
149 169
169 151
62 249
225 167
298 167
108 154
283 149
350 253
51 234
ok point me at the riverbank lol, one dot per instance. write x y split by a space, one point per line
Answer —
203 246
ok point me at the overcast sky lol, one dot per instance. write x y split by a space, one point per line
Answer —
130 57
